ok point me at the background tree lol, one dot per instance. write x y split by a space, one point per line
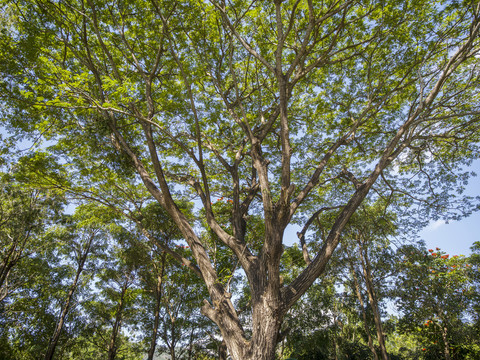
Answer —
475 276
371 232
25 215
434 292
83 238
365 262
30 274
311 328
113 308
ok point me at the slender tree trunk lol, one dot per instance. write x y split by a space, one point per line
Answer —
5 272
5 269
156 320
446 347
364 313
335 335
446 343
171 340
112 347
372 298
222 351
68 301
58 329
11 258
173 355
190 344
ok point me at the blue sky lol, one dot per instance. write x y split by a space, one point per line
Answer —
456 237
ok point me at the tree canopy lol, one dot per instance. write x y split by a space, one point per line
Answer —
260 113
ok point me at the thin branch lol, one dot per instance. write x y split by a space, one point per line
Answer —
244 43
301 234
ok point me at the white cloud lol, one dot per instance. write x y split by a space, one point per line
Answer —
434 225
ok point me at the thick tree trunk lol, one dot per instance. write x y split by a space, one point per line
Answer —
268 309
267 318
372 298
264 342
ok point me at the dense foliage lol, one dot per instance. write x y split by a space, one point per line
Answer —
186 136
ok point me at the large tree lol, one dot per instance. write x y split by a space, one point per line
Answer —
282 108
